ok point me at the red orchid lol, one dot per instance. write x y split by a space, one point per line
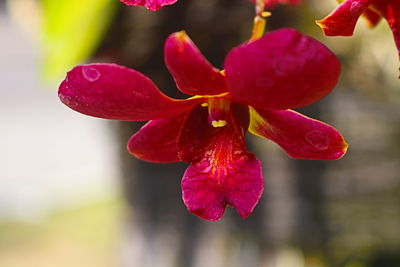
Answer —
343 19
262 80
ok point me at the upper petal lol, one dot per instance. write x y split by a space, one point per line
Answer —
192 73
284 69
222 171
152 5
300 136
390 10
344 18
157 140
116 92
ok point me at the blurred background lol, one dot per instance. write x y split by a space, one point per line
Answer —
70 194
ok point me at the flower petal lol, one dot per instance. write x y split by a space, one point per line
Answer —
300 136
157 140
284 69
152 5
192 73
197 137
222 171
344 18
115 92
240 184
372 17
390 10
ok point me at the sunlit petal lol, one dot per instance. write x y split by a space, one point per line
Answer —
344 18
390 10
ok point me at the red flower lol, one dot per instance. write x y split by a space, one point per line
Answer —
344 18
262 80
152 5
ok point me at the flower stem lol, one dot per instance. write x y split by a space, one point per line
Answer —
260 6
260 21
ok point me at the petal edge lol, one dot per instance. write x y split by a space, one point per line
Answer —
284 69
192 73
157 140
300 136
343 19
115 92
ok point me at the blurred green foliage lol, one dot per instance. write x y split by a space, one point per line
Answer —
86 236
71 31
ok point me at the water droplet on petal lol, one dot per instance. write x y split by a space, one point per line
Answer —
90 73
355 8
318 140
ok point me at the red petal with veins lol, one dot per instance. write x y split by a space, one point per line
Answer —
206 192
284 69
344 18
300 136
157 140
222 171
115 92
152 5
192 73
197 134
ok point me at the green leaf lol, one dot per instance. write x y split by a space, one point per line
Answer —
71 31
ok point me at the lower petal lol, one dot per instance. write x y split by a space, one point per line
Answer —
300 136
206 192
157 140
343 19
222 172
